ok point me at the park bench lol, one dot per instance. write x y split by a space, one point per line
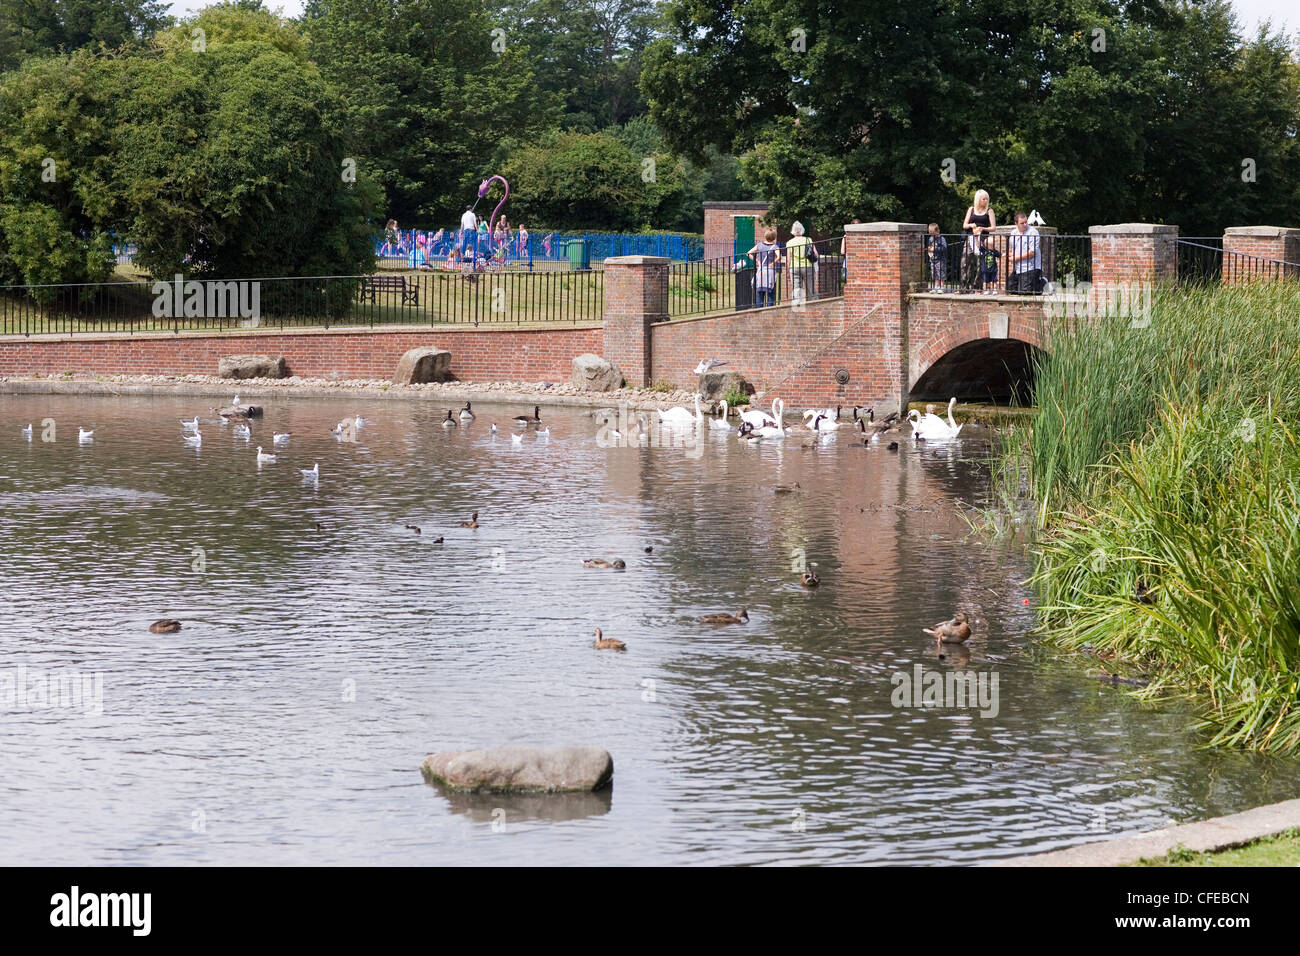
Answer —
374 285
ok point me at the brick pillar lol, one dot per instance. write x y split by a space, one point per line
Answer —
1132 255
1265 242
636 294
882 260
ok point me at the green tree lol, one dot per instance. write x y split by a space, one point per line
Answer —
60 26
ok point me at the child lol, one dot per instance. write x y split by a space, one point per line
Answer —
988 266
936 250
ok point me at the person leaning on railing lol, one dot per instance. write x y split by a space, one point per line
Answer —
1024 262
803 263
980 220
767 262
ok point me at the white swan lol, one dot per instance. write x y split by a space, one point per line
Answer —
721 421
83 435
190 426
313 473
263 458
679 416
931 427
776 429
759 418
281 438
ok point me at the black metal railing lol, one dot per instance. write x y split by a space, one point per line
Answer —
1204 260
421 298
965 266
735 283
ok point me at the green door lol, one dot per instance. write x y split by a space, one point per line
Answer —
744 231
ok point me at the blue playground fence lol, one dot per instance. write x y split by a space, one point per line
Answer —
600 246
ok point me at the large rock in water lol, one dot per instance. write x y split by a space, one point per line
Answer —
251 366
428 363
521 769
714 386
595 374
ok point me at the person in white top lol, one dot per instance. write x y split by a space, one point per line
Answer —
468 223
1025 261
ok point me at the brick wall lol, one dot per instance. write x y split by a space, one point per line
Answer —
1132 254
719 232
636 295
938 324
1265 243
476 354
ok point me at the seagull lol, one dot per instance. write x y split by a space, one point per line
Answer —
263 457
195 439
281 438
1035 219
494 428
359 421
313 473
27 432
517 438
83 435
544 432
243 431
235 402
708 365
190 426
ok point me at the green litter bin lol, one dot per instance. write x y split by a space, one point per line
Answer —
579 256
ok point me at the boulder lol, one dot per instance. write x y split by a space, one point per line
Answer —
714 386
428 363
521 769
595 374
251 366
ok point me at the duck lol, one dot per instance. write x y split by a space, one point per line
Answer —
809 579
720 421
680 417
449 422
190 426
617 564
649 549
740 617
27 432
785 489
280 438
472 522
437 540
312 472
603 643
954 631
83 435
413 527
893 446
263 458
526 421
759 418
195 439
466 415
165 626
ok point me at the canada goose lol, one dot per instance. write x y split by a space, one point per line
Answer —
742 617
263 458
280 438
195 439
748 435
809 579
83 435
721 421
190 426
449 422
604 643
525 420
313 472
680 417
823 422
413 527
618 563
165 626
893 446
955 631
465 414
872 429
472 522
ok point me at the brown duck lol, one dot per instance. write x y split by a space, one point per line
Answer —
165 626
603 643
617 564
955 631
472 522
740 618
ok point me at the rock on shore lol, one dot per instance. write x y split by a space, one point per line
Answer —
595 374
251 366
521 769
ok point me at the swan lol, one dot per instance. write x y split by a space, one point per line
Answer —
313 472
758 418
465 414
262 457
931 427
195 439
680 417
27 432
721 421
191 426
777 428
83 435
281 438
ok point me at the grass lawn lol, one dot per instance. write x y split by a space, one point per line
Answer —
1280 850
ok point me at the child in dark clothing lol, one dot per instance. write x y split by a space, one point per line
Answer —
936 250
988 266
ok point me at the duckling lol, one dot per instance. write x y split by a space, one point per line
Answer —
448 422
604 643
525 420
809 579
466 415
165 626
413 527
740 618
472 522
617 564
955 631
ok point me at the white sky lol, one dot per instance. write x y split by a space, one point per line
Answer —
1283 13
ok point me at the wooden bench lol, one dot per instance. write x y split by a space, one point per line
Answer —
374 285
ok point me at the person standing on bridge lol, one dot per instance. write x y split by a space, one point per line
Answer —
767 262
1024 262
979 221
803 263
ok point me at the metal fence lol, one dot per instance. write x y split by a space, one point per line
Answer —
489 298
1203 260
963 266
734 283
412 248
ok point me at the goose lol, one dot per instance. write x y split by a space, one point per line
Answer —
748 436
893 446
471 523
27 432
449 422
775 429
195 439
413 527
190 426
243 431
603 643
83 435
263 458
517 438
466 415
823 423
312 473
742 617
720 422
525 420
872 429
955 631
680 417
617 564
165 626
281 438
758 418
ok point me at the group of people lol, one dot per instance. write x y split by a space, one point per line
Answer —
979 256
470 243
800 253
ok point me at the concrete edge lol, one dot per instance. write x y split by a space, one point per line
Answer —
1271 232
1132 229
1205 836
854 227
638 261
306 331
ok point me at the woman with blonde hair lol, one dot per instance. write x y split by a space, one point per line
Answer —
980 220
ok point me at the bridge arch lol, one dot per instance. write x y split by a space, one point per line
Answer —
977 351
